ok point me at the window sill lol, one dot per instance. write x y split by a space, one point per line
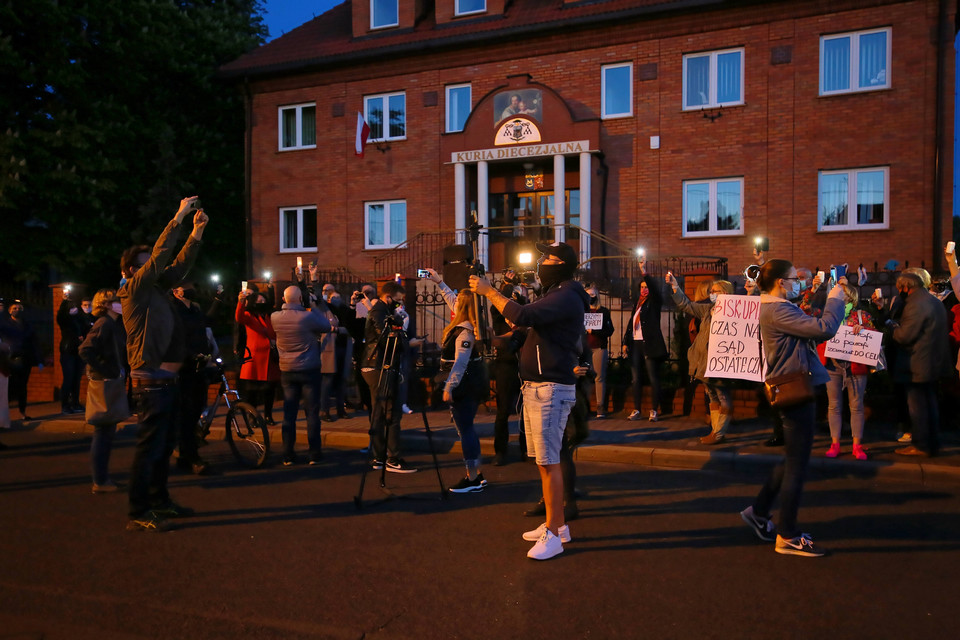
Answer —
617 116
300 250
711 107
700 235
858 228
853 92
306 148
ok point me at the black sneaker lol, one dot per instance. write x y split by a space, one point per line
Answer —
316 458
398 465
377 465
172 510
763 527
802 546
499 460
466 485
149 522
289 461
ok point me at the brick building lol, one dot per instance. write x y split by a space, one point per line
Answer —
688 127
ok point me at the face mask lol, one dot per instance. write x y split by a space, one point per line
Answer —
794 291
86 308
117 307
551 274
594 300
803 285
190 294
713 297
847 308
396 305
902 294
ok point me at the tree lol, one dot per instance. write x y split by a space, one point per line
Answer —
111 112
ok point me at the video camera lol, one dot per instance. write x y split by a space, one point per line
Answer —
458 265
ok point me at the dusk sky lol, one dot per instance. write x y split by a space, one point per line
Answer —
282 16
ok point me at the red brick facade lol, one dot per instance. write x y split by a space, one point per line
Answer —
777 141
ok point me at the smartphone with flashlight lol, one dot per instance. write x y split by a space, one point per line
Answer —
761 244
423 273
821 276
833 274
243 285
951 247
299 265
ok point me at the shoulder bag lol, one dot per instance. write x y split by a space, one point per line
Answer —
107 399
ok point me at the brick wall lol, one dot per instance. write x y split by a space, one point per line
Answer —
777 141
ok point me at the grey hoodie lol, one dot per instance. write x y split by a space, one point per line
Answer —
790 336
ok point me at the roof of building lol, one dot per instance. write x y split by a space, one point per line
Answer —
328 38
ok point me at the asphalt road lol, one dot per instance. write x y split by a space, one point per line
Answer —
284 553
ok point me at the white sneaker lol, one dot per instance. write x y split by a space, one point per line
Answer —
533 536
547 546
634 416
653 416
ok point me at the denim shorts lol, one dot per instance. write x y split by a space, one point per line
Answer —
546 406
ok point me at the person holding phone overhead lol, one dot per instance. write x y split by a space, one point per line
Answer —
643 342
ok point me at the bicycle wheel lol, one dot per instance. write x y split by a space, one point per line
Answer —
247 435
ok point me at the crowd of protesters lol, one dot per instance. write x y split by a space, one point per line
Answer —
309 346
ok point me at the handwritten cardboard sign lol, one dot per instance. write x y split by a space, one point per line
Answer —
863 347
593 321
734 349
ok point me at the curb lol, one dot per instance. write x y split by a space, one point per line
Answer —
922 473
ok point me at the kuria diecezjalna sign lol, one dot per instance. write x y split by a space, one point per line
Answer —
521 151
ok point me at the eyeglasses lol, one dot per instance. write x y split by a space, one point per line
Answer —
790 278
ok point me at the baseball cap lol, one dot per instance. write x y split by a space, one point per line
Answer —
561 250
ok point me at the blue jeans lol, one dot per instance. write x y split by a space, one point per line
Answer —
157 408
464 411
600 367
925 416
546 407
297 385
638 364
327 382
856 386
100 447
787 478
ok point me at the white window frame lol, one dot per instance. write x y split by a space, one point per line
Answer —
603 91
852 179
388 244
448 89
385 97
855 61
457 12
712 231
300 211
712 102
395 23
299 110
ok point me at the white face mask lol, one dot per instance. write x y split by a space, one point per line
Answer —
713 297
116 307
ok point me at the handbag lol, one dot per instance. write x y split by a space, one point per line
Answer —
789 390
107 399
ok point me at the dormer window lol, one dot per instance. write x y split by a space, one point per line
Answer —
384 13
467 7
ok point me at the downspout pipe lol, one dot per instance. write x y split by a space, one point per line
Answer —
247 178
942 30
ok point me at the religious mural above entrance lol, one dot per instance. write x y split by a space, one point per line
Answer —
520 102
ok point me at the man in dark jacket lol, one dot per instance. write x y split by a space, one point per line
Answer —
385 413
155 352
297 331
922 360
73 328
547 367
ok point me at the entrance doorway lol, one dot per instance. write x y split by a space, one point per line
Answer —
519 220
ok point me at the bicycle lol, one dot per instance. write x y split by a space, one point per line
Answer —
245 429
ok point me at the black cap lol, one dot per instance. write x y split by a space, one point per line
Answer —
561 250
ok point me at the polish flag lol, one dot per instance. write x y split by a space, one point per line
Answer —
363 132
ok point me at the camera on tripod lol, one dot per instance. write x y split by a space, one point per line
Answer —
459 264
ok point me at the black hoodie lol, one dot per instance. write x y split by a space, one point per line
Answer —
552 348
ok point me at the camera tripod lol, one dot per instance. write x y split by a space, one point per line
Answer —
386 394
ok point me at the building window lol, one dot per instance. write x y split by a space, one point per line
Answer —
857 61
298 229
713 207
458 106
384 13
713 79
395 106
298 126
867 188
466 7
386 224
616 90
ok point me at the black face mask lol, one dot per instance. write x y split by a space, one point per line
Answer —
594 300
395 305
551 274
190 294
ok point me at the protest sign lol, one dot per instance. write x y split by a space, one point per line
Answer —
734 349
863 347
593 321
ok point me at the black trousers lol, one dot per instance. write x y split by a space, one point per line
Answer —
507 378
193 398
157 408
72 367
19 378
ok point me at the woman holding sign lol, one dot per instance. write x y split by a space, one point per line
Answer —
788 338
851 376
721 402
